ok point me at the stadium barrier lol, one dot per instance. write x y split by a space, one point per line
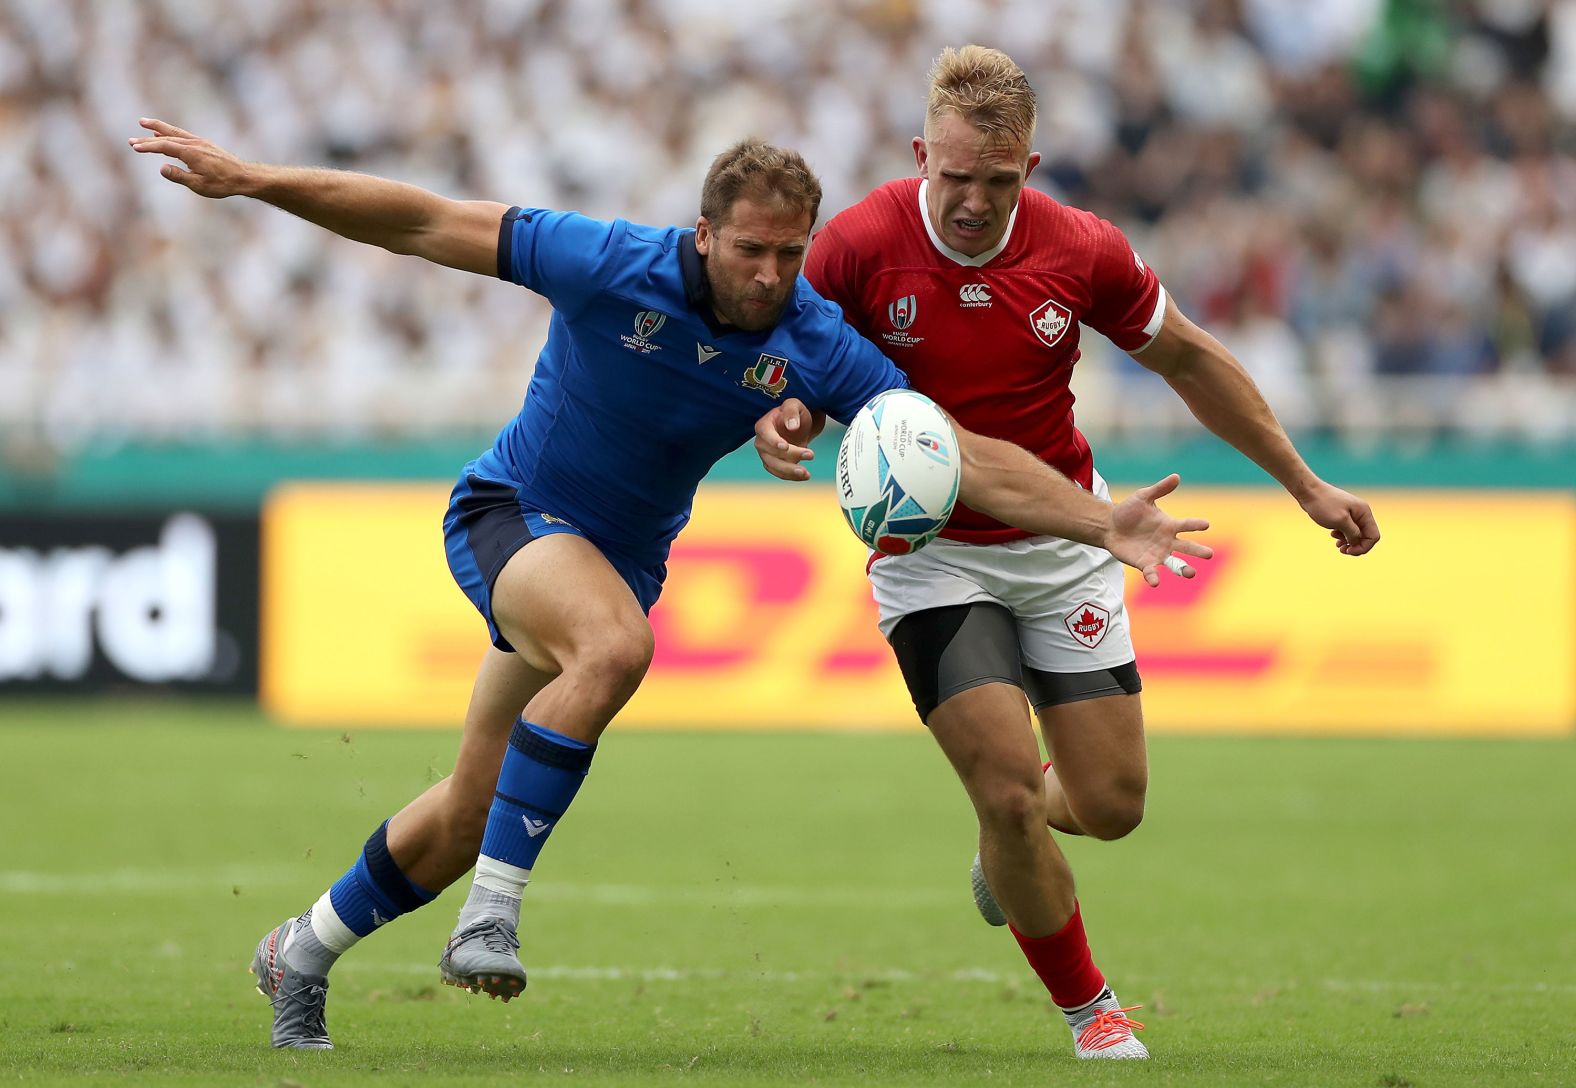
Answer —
108 601
1463 621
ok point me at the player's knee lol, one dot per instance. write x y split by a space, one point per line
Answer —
1113 815
1016 808
616 666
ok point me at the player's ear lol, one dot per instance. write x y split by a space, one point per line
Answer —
703 236
920 154
1034 160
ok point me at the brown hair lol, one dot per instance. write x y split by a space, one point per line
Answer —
755 170
986 88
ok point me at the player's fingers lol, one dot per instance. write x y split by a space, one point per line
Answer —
783 470
794 413
767 435
1194 548
177 175
163 128
162 145
1159 489
1368 526
1151 575
1178 567
1192 525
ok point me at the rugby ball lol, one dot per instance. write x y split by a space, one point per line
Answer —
897 472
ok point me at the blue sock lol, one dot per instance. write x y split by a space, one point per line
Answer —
374 890
542 772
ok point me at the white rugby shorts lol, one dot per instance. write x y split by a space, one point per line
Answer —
1066 597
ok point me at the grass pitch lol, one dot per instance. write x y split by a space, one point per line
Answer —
752 909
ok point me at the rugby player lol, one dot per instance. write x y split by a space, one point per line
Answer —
665 347
976 286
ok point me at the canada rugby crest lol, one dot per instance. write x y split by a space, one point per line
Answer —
1050 320
1088 624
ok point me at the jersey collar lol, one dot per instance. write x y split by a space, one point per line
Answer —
697 288
952 254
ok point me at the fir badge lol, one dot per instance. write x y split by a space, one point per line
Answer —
769 375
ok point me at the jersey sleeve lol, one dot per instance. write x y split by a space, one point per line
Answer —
562 256
855 372
830 270
826 267
1128 301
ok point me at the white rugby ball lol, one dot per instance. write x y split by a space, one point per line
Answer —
897 472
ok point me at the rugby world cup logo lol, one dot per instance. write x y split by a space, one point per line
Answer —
931 445
902 312
647 322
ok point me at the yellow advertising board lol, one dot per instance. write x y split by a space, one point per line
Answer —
1463 620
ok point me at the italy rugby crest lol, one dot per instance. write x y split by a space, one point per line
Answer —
769 375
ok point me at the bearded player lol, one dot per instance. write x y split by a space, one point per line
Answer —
933 269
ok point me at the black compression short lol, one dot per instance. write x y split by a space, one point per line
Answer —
948 650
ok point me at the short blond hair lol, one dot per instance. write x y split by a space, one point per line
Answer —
986 88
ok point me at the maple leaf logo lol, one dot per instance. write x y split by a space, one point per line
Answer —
1087 623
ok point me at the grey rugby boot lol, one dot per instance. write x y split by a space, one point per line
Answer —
481 957
989 909
298 999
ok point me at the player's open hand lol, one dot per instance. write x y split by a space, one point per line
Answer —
782 439
1145 536
210 170
1348 518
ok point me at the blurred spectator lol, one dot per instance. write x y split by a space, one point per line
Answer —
1372 201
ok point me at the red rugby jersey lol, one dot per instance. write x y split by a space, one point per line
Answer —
993 338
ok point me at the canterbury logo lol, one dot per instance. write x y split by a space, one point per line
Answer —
534 828
974 292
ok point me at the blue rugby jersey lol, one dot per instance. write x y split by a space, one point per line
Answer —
638 391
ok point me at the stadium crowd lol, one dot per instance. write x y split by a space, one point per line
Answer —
1373 202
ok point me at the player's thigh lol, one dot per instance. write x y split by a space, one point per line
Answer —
561 604
1098 749
961 665
986 735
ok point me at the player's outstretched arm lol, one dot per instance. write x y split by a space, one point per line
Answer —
782 438
1012 485
397 217
1221 395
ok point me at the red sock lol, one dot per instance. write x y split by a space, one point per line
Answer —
1063 963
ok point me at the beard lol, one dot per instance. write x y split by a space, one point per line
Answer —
733 304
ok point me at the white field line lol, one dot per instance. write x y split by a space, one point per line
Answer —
564 972
136 881
716 893
888 975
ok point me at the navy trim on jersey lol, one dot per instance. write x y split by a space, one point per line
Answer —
697 288
506 241
692 267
